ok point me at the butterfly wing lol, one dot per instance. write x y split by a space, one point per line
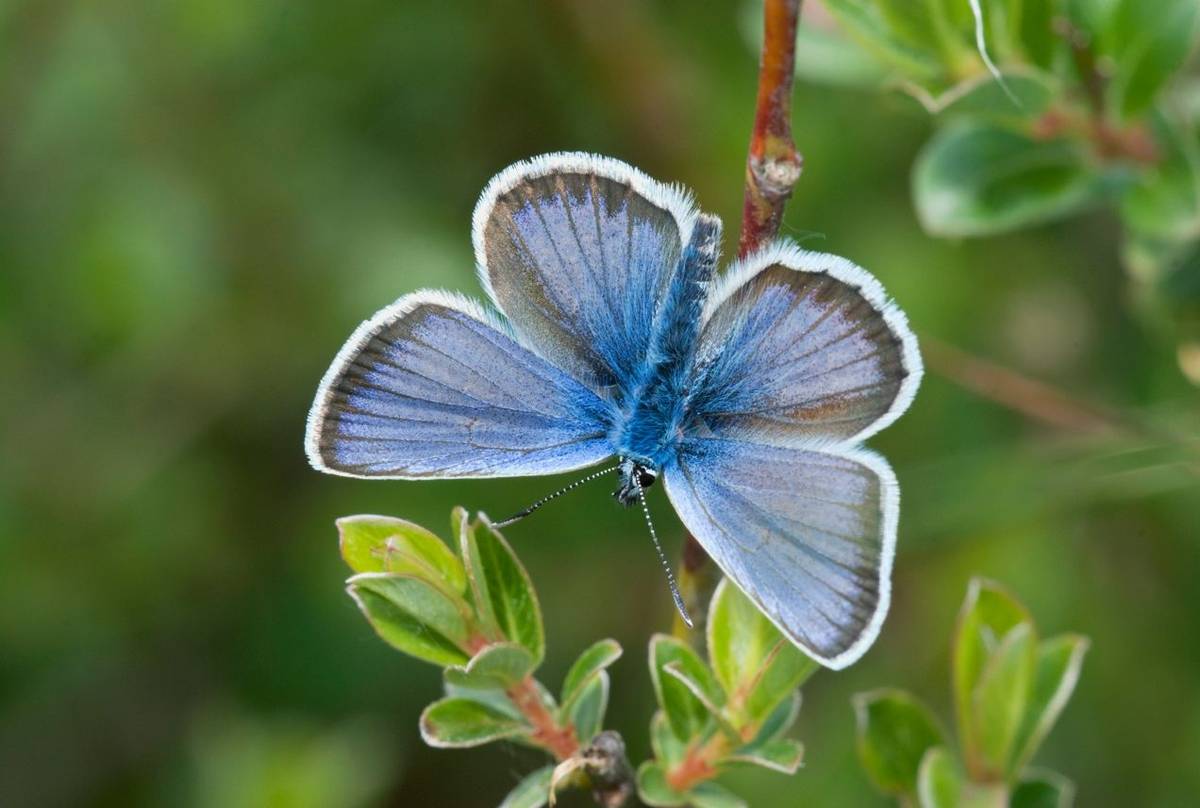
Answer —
805 349
577 250
800 357
807 535
433 387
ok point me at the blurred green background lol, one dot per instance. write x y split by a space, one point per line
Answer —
200 199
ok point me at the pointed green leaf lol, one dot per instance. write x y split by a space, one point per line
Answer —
1149 41
703 685
490 697
586 711
977 178
504 595
1043 789
699 679
383 544
1164 201
686 714
780 720
714 795
894 732
987 614
984 98
412 616
999 700
596 658
532 792
1093 18
939 779
864 22
653 788
668 749
457 722
757 667
1059 661
782 755
1039 40
824 55
495 667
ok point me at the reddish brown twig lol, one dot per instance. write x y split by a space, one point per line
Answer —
772 168
773 165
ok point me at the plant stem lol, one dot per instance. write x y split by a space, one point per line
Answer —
698 764
1035 400
773 165
772 168
600 767
556 739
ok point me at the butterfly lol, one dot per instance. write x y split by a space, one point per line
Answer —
611 335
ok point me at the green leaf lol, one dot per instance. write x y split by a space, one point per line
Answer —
504 595
864 22
1043 789
668 749
781 755
1149 41
586 710
939 779
653 788
780 720
457 722
1000 699
532 792
920 24
988 613
1093 18
1059 661
757 667
701 684
825 56
495 667
412 616
1164 201
596 658
686 714
894 732
985 99
714 795
490 697
383 544
1039 40
699 679
976 179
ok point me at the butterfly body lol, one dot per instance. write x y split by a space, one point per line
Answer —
748 393
653 418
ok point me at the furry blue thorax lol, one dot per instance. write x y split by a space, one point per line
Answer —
652 416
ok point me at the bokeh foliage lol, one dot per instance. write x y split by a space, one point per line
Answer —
200 199
1044 109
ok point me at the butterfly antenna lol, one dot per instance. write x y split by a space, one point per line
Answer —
516 517
661 557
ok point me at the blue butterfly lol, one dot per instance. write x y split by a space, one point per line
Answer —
749 393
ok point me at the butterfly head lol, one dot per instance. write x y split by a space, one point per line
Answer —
636 476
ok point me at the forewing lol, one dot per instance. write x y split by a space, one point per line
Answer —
576 250
430 387
805 349
808 536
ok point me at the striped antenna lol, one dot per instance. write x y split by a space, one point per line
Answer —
661 557
516 517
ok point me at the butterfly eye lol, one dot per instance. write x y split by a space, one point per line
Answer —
646 476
